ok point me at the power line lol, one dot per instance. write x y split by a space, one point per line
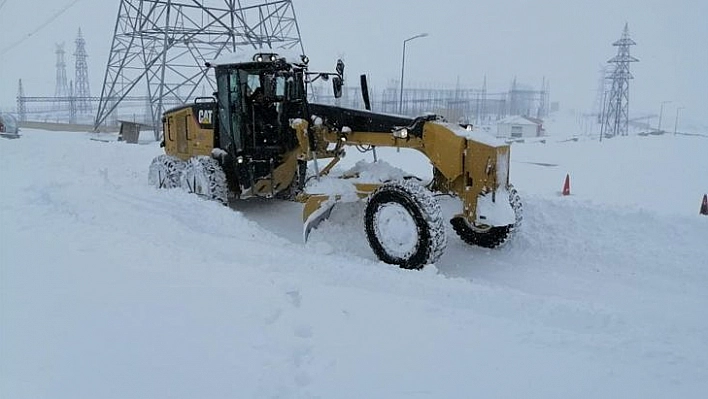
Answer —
42 26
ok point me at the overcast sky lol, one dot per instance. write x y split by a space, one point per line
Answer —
564 41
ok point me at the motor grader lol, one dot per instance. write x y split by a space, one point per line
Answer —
259 136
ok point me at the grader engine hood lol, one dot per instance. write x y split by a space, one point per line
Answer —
358 120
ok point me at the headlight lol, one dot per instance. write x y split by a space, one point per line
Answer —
261 57
400 133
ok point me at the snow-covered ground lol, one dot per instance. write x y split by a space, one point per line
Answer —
111 289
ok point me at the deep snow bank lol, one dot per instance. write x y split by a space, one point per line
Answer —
112 289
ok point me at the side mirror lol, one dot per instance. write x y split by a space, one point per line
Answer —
337 84
340 68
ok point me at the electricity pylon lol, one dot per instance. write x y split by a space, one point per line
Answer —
616 118
160 46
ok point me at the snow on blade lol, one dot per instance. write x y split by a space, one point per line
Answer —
316 217
342 182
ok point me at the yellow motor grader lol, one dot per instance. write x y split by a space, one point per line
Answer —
259 136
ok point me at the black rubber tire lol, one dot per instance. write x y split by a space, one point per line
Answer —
204 176
165 171
425 212
492 237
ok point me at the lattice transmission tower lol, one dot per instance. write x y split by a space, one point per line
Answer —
82 92
616 114
62 84
160 47
21 106
601 93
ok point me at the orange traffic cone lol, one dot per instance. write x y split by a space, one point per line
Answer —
566 185
704 206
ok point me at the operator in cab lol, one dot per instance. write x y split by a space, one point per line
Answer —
265 117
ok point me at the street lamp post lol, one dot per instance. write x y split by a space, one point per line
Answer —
676 121
403 68
661 114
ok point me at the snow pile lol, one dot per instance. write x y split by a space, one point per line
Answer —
109 288
480 136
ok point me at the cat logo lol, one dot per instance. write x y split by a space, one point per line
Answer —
205 116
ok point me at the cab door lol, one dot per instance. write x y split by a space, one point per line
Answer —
182 132
229 105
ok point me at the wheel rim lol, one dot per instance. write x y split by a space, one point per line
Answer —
396 230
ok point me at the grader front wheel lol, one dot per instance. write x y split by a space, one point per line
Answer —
404 225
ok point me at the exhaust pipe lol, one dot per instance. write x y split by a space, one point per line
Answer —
365 93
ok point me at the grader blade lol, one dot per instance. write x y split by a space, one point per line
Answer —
317 209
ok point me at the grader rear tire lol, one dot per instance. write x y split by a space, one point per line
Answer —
404 225
204 176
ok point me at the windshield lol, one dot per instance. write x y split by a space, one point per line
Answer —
252 82
276 86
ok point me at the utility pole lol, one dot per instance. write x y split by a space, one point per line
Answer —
403 68
661 114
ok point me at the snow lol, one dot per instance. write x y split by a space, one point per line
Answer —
477 135
112 289
517 120
402 237
290 55
495 210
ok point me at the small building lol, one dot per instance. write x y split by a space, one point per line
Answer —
130 131
8 126
517 127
